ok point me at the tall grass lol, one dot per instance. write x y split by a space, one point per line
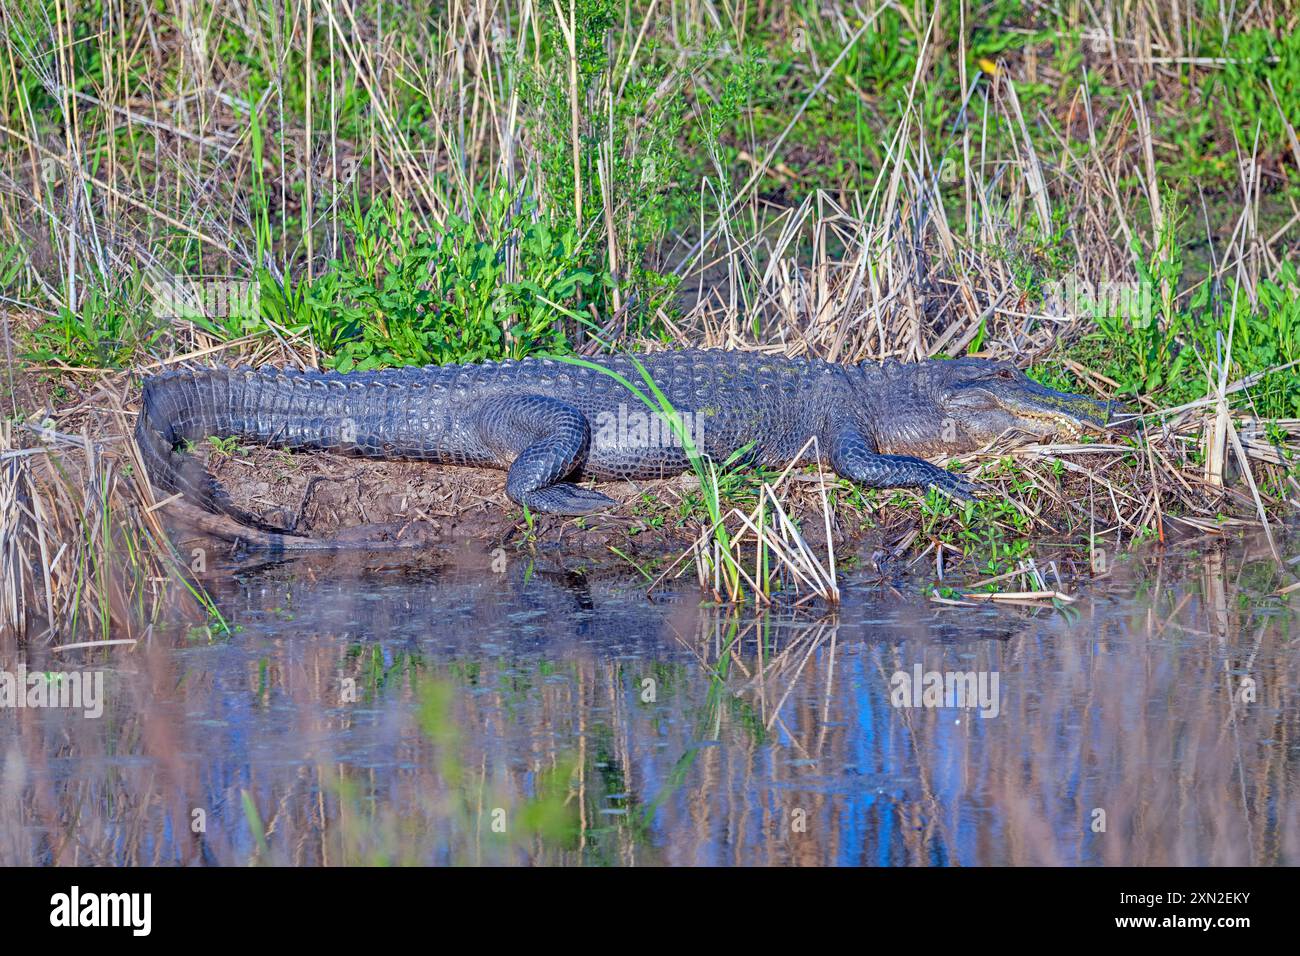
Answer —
81 557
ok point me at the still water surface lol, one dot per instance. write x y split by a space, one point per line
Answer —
385 709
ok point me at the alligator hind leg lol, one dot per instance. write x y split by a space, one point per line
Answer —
853 457
548 441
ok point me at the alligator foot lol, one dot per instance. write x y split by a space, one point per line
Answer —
955 486
853 458
565 499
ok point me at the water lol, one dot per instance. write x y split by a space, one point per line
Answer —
396 710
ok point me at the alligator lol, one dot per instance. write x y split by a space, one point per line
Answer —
551 422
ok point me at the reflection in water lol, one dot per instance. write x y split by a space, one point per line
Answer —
370 712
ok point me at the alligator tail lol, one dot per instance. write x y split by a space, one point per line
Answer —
180 407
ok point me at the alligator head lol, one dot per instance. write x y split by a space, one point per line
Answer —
963 404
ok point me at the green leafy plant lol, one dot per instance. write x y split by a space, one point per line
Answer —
406 297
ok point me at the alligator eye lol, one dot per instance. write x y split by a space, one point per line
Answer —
1006 373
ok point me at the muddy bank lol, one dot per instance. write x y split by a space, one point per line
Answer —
353 502
334 501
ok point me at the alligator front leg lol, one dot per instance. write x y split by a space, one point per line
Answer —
545 440
853 457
